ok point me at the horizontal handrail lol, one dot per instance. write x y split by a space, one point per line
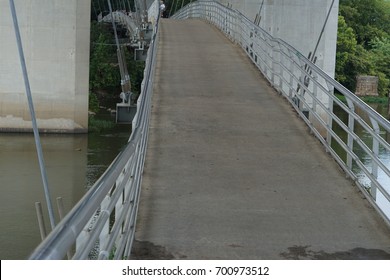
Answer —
102 224
311 92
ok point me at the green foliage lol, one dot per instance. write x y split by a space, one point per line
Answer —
380 51
105 77
363 46
346 50
93 102
367 99
104 71
96 125
136 71
351 59
369 18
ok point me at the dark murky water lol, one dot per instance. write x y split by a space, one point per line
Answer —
73 163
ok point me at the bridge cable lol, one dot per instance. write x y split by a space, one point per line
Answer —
258 16
170 10
312 57
176 6
94 9
100 8
128 4
137 11
125 78
32 113
323 29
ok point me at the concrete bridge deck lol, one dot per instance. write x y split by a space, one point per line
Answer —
231 171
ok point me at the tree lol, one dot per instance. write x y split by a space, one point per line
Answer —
368 18
363 42
104 68
103 63
380 57
351 59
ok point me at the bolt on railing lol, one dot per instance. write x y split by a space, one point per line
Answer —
311 92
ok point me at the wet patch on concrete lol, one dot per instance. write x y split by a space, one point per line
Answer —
304 253
235 246
145 250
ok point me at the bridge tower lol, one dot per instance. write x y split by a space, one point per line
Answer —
55 36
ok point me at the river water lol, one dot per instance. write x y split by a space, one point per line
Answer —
73 163
384 155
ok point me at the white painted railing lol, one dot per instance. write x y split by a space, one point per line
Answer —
311 92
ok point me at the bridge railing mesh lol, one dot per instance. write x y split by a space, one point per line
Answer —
352 132
102 224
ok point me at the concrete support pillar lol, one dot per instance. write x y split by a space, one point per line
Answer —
56 37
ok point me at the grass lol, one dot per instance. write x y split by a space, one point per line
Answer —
367 99
96 125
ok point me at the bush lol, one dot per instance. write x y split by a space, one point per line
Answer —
93 103
96 125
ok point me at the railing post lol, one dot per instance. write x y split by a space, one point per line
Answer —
330 119
291 81
351 127
41 220
314 101
279 65
272 56
61 213
375 150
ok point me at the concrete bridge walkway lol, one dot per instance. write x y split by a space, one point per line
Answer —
232 172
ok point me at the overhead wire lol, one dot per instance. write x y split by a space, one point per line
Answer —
176 6
323 28
171 9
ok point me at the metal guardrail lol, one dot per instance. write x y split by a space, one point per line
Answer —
311 92
102 224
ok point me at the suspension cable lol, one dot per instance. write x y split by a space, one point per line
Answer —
128 3
322 31
94 9
170 10
32 113
121 57
258 18
100 8
176 6
114 27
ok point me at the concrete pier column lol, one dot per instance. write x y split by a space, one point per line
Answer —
56 38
